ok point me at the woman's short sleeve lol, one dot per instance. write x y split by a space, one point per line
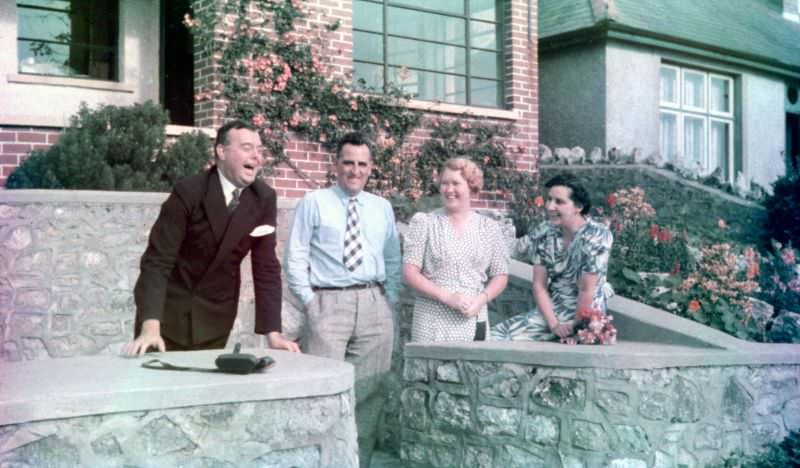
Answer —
596 248
415 240
498 264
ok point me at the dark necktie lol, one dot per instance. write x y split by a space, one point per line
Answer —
235 200
353 256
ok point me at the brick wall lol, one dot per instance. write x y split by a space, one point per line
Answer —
521 96
17 142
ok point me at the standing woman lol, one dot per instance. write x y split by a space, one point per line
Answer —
569 253
455 259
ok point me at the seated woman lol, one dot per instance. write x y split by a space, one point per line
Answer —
569 253
455 259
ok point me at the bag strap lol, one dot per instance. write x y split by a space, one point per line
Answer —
158 364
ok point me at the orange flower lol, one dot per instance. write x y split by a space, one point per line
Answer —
612 200
694 305
538 201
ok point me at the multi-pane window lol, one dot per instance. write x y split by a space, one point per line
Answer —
449 51
696 120
76 38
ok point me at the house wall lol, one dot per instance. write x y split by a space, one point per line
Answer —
573 97
632 95
763 127
48 101
314 161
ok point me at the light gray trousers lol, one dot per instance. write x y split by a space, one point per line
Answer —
356 326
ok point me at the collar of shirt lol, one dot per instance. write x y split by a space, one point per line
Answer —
345 197
227 187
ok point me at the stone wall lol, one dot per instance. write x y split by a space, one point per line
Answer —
68 263
485 414
225 435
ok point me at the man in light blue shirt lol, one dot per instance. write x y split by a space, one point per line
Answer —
343 262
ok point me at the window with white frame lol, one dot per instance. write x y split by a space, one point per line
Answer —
75 38
697 120
449 51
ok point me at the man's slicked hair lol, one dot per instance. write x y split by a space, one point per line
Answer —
222 133
355 139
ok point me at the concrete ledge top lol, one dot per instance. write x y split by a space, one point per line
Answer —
623 355
100 197
82 386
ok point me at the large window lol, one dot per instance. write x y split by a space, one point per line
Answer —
76 38
449 51
697 120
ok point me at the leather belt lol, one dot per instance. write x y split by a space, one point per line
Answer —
352 287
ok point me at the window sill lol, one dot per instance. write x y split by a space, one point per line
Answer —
70 82
430 106
177 130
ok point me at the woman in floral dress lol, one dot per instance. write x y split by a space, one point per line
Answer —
569 253
455 259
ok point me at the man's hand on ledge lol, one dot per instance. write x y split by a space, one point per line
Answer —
150 337
277 341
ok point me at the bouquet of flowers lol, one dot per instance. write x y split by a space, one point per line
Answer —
592 327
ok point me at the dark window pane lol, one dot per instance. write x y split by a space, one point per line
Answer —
445 6
367 76
484 64
485 93
483 35
430 86
43 24
418 54
428 26
367 47
368 16
78 40
483 9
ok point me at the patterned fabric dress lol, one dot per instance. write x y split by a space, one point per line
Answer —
457 264
588 252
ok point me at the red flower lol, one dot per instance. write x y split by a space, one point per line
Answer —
612 200
665 235
694 305
654 231
538 201
788 256
259 120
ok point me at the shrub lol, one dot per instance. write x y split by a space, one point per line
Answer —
785 454
779 281
114 148
783 210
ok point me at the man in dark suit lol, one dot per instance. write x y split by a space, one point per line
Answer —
188 288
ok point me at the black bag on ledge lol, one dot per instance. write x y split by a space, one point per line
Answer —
230 363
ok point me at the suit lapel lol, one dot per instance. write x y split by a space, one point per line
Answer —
239 225
214 203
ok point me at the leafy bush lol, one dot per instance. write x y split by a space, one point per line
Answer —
114 148
785 454
783 210
779 281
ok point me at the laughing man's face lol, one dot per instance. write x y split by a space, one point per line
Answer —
240 158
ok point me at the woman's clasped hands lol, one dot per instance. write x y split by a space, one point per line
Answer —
469 306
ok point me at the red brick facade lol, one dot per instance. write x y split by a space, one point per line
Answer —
17 142
521 95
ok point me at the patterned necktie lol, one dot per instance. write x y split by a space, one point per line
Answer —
353 256
235 200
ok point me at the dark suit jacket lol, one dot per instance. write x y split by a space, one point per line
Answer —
190 278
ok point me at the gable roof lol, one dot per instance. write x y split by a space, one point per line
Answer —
754 30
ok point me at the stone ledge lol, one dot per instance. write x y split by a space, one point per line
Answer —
82 386
99 196
623 355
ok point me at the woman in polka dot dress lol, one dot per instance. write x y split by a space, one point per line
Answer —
455 259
